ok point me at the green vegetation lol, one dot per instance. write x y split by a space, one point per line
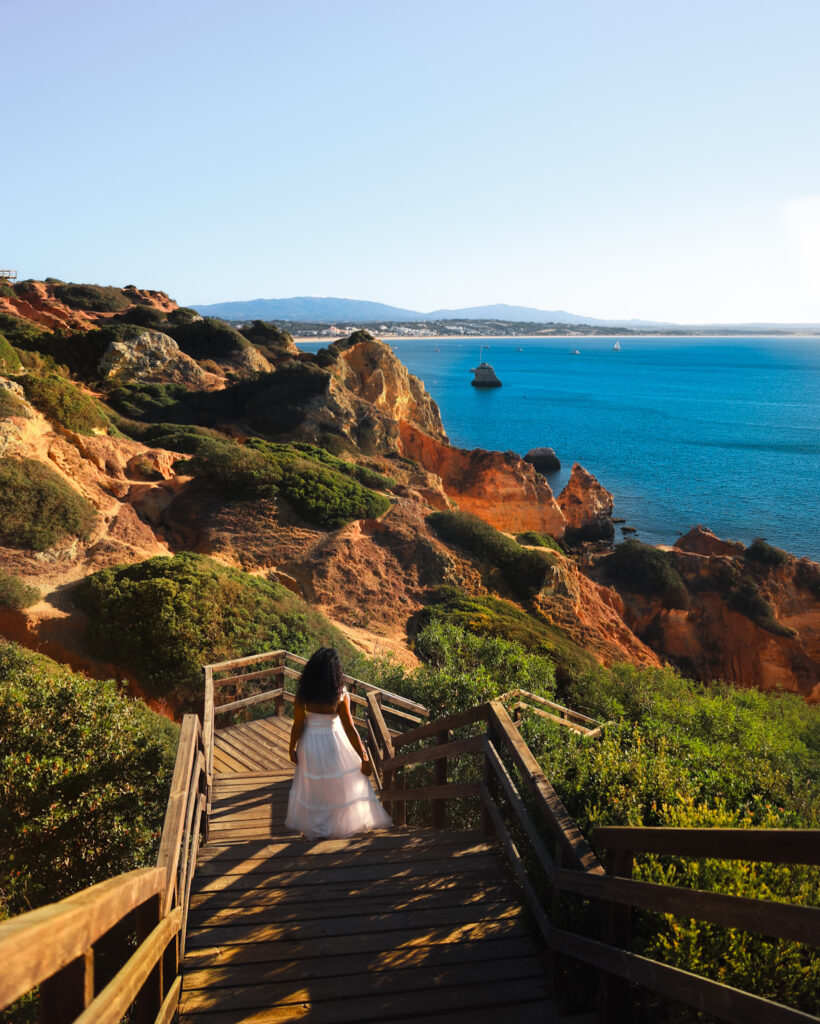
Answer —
38 508
22 333
84 779
95 297
208 339
539 540
366 476
766 555
166 617
9 360
271 340
64 403
745 597
525 572
144 316
11 405
152 403
15 594
320 494
644 569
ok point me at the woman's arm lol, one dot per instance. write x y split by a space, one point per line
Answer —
297 728
350 731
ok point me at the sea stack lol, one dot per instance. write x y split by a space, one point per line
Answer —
484 376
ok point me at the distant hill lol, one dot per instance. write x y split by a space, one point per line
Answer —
312 309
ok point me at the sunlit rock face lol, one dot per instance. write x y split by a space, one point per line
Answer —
152 356
499 487
587 508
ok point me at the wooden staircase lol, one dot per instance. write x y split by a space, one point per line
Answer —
404 924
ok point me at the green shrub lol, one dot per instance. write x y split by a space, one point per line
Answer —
525 572
144 316
766 555
153 403
84 779
24 334
9 360
95 297
15 594
644 569
365 475
63 402
539 540
38 508
183 315
746 598
6 290
11 405
271 340
208 339
166 617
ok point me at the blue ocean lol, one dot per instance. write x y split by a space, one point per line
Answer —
722 432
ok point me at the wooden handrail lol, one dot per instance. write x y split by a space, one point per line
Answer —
780 845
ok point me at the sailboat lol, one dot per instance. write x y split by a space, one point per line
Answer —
616 347
484 374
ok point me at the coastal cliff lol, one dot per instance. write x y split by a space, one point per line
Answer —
321 472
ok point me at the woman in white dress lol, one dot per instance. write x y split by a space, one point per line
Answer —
330 796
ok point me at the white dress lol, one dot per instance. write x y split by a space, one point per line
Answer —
330 797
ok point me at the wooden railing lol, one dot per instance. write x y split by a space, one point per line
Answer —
552 860
282 665
519 701
56 946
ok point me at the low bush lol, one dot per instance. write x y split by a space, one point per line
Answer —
15 594
271 340
84 781
365 475
765 555
208 339
183 315
9 360
23 333
95 297
38 508
525 572
152 402
64 403
745 597
11 405
646 570
167 617
144 316
539 540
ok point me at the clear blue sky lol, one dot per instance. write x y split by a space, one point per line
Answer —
630 159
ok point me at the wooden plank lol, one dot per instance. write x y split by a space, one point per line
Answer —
35 945
777 845
561 708
380 726
174 824
244 702
407 838
409 979
353 924
272 739
402 938
168 1010
347 874
452 791
561 823
242 741
220 666
284 864
521 813
380 1006
342 965
112 1003
476 714
246 677
470 745
66 994
259 746
707 996
781 920
240 752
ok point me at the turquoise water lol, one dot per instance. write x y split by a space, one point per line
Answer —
723 432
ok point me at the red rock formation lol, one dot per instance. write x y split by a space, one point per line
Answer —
36 301
701 541
587 507
499 487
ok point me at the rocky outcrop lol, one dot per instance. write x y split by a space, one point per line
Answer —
587 508
37 302
543 459
499 487
749 623
371 371
154 356
701 541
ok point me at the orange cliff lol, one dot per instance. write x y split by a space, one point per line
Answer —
37 302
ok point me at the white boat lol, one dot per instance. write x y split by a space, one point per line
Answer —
616 347
576 351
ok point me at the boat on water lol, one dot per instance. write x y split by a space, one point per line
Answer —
484 375
616 347
519 350
576 351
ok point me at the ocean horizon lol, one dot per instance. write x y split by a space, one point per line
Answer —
722 432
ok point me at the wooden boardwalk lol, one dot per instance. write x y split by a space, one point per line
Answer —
401 924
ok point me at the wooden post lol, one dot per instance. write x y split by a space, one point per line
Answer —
613 992
279 702
67 993
490 782
440 806
149 1000
399 806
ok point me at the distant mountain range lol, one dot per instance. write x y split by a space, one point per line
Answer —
312 309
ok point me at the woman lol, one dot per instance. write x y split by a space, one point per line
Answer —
330 796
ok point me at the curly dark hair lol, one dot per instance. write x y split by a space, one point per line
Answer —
321 680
